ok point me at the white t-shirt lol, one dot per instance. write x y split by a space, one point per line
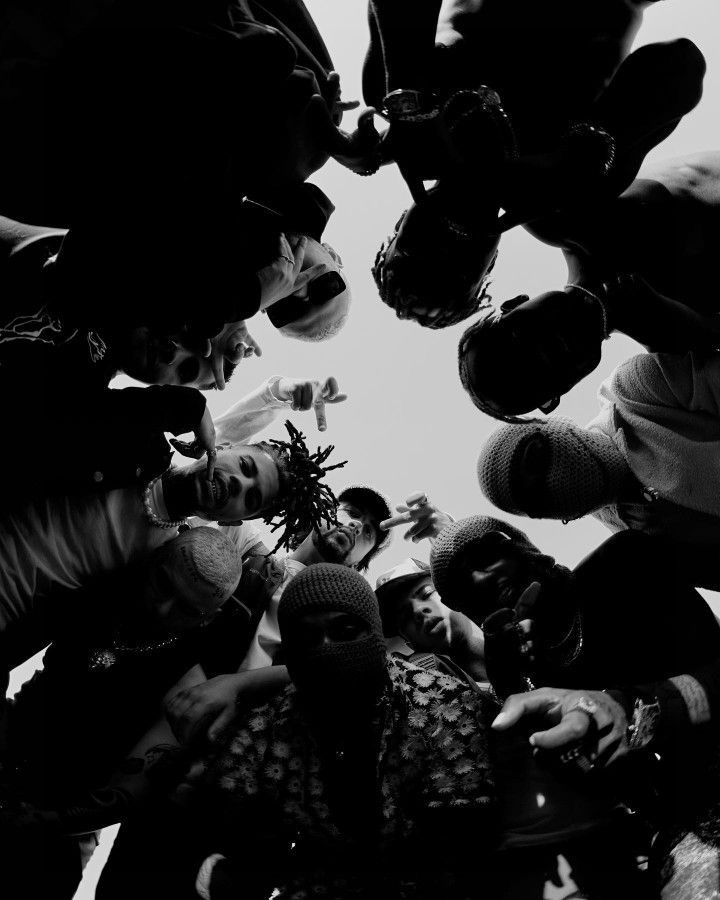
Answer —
64 541
266 641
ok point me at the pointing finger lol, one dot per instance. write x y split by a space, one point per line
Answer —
419 498
211 459
519 705
319 407
299 256
573 726
310 273
392 522
528 599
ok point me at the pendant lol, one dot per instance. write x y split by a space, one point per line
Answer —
101 660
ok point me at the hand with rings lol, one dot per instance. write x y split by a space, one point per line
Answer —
285 274
428 520
587 729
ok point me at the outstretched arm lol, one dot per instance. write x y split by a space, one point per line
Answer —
204 710
611 723
259 408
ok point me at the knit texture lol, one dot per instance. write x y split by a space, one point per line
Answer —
585 470
327 587
663 412
206 557
353 666
464 539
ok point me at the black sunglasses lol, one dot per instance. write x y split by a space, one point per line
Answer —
321 290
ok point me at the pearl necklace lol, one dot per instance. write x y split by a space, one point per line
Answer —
150 513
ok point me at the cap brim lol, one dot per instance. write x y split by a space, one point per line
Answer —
389 593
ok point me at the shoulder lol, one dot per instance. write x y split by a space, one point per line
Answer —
695 176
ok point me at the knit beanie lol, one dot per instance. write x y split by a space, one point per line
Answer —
206 559
463 540
337 670
585 471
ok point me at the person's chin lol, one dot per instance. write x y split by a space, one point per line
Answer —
334 550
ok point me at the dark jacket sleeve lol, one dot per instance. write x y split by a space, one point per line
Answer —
156 408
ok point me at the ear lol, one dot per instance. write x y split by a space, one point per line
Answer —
513 303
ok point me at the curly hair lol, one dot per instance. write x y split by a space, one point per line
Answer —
484 381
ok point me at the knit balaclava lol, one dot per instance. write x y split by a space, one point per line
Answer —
586 470
460 541
340 671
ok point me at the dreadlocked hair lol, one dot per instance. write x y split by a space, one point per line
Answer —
305 503
428 262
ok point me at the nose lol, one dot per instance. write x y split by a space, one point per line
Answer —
483 580
235 485
355 525
420 609
168 351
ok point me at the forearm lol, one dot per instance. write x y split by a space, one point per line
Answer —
156 408
257 684
664 325
407 31
250 414
664 713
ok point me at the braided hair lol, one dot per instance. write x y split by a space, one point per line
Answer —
428 263
304 502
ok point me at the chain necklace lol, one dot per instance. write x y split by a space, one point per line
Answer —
150 513
601 304
103 658
569 647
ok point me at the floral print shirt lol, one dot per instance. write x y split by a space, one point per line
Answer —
433 753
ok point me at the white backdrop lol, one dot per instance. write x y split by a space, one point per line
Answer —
407 424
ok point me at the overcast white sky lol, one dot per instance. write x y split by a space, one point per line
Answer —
407 424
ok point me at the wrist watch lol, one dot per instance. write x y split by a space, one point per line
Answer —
407 105
643 727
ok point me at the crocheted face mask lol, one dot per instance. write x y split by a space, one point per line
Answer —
550 470
502 555
332 636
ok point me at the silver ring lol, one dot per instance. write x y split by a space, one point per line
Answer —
287 259
587 706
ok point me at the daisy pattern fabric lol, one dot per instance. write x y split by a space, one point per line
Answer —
433 753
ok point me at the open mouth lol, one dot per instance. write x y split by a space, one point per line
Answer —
346 535
218 492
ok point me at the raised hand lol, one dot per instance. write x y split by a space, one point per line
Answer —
428 520
232 345
285 275
311 394
591 717
204 443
